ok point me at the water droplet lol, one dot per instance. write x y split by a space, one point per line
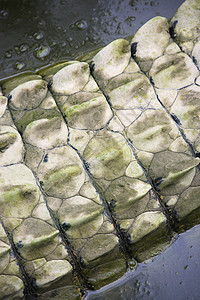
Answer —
17 49
53 44
19 65
153 3
42 51
81 25
38 35
132 3
8 54
23 48
95 19
63 44
3 13
130 20
132 265
147 283
70 39
42 23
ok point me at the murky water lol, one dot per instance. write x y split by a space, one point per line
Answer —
34 33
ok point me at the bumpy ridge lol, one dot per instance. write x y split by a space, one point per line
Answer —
123 236
168 212
75 261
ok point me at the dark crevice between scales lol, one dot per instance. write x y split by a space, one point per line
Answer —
30 287
172 31
178 125
92 67
125 243
75 261
169 213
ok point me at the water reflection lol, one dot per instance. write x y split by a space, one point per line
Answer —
174 274
34 33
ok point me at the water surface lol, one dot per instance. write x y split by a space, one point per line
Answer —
34 33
